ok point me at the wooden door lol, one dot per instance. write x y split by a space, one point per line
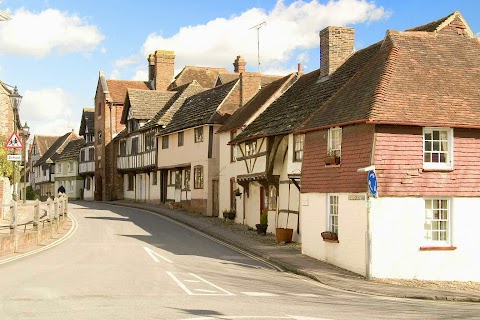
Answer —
215 205
163 185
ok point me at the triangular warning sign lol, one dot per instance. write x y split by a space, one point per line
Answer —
14 142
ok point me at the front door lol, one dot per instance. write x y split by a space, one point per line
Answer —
215 206
163 185
140 187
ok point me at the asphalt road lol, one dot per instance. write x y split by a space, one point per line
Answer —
125 263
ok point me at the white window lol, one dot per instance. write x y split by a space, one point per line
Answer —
198 133
333 214
70 166
437 221
335 141
250 148
71 186
298 147
59 168
437 148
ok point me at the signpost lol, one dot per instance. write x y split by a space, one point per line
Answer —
372 183
14 142
14 157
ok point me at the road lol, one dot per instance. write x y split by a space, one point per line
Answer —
125 263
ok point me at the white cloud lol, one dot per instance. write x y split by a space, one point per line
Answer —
134 59
49 111
40 34
288 28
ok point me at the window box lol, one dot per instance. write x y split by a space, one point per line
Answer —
331 159
328 235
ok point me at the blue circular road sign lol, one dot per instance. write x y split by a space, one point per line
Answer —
372 182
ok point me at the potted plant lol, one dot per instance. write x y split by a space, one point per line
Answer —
231 214
263 225
331 158
329 235
225 213
237 192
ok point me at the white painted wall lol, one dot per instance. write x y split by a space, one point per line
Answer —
398 233
349 252
153 190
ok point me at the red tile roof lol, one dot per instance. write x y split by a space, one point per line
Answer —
118 88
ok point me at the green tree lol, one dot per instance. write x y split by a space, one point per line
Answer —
6 167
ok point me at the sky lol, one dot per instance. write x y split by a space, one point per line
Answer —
53 50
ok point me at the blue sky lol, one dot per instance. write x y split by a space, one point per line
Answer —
52 50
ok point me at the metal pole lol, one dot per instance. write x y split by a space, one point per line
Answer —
24 171
14 163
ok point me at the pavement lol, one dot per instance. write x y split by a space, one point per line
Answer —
290 258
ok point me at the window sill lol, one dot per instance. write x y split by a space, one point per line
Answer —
437 170
446 248
332 166
331 241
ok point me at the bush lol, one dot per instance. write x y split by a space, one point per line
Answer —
32 194
264 217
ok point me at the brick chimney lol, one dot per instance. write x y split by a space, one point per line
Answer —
336 45
164 69
250 84
239 65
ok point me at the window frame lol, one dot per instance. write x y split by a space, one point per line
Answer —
186 179
448 225
198 134
134 142
131 182
165 142
180 139
250 148
333 149
154 178
448 164
332 216
298 147
272 198
198 177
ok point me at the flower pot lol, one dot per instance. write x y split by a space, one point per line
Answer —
283 235
231 215
261 228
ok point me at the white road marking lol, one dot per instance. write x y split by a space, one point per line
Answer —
193 281
180 284
259 294
67 236
206 291
153 255
304 295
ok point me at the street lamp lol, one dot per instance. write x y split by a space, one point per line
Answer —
15 99
26 135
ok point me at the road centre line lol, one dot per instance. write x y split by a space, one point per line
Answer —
153 255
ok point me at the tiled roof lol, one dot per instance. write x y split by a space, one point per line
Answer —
87 124
118 88
228 76
56 147
305 96
244 113
71 150
416 78
200 109
205 76
432 26
44 143
144 104
165 115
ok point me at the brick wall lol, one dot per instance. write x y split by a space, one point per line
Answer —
399 164
356 151
336 45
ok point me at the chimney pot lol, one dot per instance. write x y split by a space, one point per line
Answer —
239 64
